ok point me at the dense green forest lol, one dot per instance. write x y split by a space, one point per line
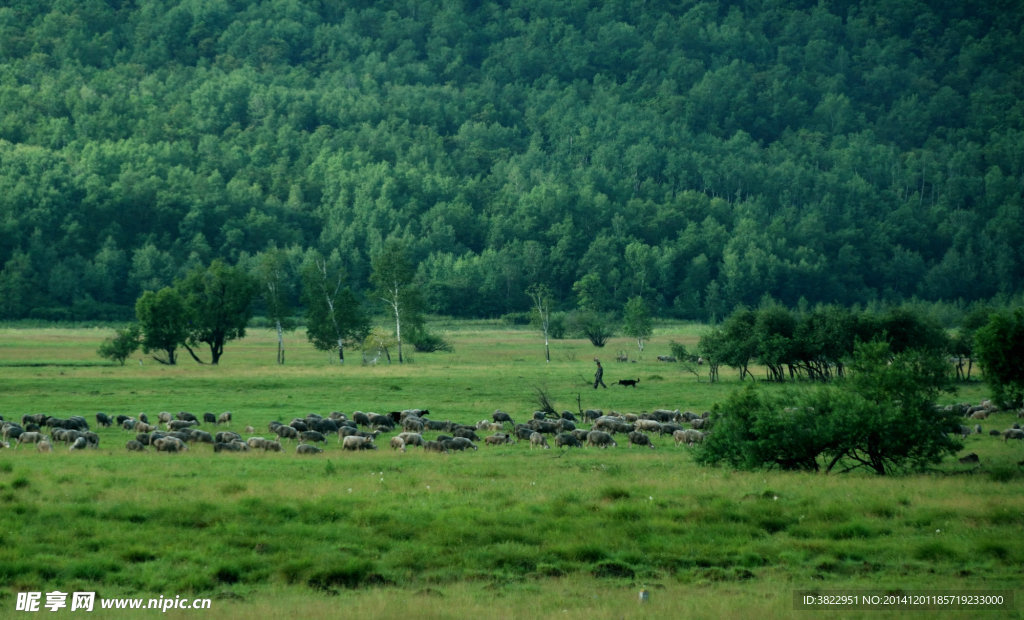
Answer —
701 154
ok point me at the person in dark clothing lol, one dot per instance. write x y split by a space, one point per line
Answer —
598 376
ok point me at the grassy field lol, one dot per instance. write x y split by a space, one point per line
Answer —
504 532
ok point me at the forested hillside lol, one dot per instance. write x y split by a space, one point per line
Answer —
701 154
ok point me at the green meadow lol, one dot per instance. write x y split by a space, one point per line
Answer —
504 532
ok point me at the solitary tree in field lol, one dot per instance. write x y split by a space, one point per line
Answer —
333 313
540 295
636 321
218 300
163 322
122 344
392 276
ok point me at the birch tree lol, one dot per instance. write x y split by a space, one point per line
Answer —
540 294
392 276
333 312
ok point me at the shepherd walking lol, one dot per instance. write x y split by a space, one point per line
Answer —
598 376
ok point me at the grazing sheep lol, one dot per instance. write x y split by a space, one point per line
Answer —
128 424
467 433
1013 433
44 446
226 437
271 446
994 433
231 446
397 443
567 440
312 436
360 418
523 432
200 436
187 417
502 417
29 437
286 432
411 439
637 438
354 442
163 417
177 425
600 439
103 420
651 426
79 444
169 444
434 446
498 439
224 418
970 458
305 448
209 418
143 418
536 439
142 427
688 436
459 443
412 425
134 445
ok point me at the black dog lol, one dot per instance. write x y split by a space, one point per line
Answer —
632 382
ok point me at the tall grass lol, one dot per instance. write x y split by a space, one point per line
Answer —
524 532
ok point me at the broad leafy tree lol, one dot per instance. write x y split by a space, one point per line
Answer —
882 418
122 344
1000 350
218 300
163 321
636 321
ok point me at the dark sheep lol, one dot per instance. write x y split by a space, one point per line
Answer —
567 440
305 448
134 445
286 432
600 439
459 443
187 417
299 425
226 437
501 416
103 420
466 433
434 446
312 436
209 418
360 418
639 439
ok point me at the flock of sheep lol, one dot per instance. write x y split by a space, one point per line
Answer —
360 431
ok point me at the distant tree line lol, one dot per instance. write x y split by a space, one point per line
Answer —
816 344
698 155
212 305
